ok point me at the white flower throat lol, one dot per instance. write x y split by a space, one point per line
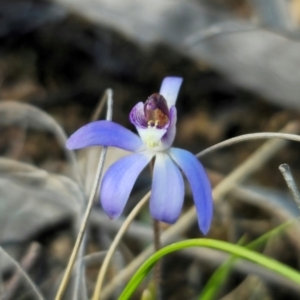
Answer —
157 116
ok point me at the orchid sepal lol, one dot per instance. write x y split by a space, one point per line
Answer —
118 182
105 133
199 183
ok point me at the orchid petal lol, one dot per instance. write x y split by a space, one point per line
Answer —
170 89
167 190
118 182
168 139
105 133
200 185
151 135
137 116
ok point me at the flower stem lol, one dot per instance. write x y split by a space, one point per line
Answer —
157 267
156 231
157 246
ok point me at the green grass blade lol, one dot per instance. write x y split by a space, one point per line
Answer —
235 250
210 291
218 278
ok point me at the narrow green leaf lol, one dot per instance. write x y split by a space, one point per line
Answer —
236 250
213 285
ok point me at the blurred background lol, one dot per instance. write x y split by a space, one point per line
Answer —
241 67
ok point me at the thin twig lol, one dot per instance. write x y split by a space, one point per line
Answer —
26 264
32 115
34 288
116 241
99 107
81 233
84 223
88 160
255 136
254 162
92 259
288 177
137 229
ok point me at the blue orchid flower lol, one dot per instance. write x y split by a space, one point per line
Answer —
155 121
